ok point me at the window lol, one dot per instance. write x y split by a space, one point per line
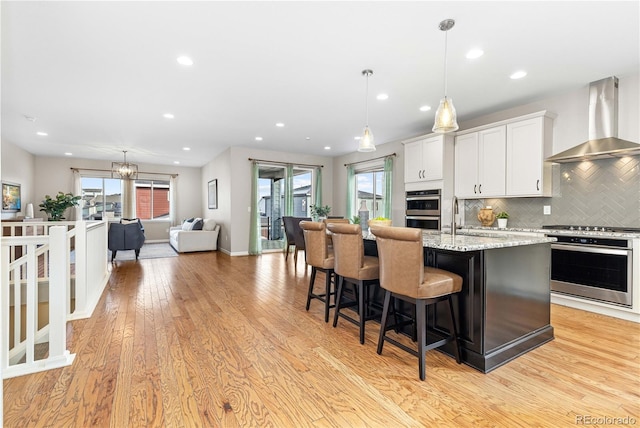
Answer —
369 185
101 197
152 199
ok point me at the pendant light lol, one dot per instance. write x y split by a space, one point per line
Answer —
446 119
366 141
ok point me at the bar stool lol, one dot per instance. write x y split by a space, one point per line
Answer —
353 267
321 259
404 276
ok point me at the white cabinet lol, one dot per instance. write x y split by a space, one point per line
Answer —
424 160
480 163
505 159
528 144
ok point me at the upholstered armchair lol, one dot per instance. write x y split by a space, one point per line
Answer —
126 235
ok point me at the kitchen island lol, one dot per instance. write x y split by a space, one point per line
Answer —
503 310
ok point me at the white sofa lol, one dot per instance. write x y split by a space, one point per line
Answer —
184 240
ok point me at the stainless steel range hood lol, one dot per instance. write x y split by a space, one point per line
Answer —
603 127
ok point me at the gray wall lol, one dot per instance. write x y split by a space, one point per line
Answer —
233 171
18 166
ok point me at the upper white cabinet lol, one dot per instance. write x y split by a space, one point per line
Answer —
505 159
424 159
480 163
528 145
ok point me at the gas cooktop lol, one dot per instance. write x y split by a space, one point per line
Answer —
616 229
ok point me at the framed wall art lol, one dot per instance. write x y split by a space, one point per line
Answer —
213 194
11 198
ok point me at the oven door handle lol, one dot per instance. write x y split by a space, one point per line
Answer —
415 217
587 249
423 198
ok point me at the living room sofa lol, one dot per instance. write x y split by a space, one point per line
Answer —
185 239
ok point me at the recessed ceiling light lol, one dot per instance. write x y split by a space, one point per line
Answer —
357 138
168 116
327 147
176 162
258 138
186 149
68 154
280 125
184 60
307 138
42 134
518 74
382 97
475 53
425 108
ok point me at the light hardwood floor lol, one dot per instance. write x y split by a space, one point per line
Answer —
210 340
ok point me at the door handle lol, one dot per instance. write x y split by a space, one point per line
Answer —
537 184
480 188
474 189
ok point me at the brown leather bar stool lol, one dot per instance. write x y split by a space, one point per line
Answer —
318 255
404 276
353 267
334 220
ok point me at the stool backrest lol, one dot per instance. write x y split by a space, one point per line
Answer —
348 248
315 237
401 257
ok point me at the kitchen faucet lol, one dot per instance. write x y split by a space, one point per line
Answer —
454 211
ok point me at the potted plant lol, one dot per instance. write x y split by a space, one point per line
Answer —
55 207
355 219
502 217
319 212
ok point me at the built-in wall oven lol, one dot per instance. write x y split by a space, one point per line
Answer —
423 209
593 267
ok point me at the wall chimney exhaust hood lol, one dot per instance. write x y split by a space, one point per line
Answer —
603 127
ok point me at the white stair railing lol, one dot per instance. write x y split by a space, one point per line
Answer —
19 280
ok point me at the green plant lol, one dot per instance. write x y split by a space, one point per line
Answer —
55 207
502 214
355 219
319 210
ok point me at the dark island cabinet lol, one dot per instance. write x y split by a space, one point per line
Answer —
503 310
467 304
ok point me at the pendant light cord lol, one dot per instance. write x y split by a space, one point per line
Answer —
445 63
366 102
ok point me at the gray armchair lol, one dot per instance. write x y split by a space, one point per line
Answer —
127 235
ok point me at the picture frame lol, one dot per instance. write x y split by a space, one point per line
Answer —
11 197
212 191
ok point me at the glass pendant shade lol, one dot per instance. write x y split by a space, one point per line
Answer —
446 119
366 141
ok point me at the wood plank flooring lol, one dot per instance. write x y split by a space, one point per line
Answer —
207 340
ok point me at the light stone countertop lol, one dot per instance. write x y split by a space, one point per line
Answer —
474 240
552 231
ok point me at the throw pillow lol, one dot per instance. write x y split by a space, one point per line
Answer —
197 224
209 224
188 224
128 220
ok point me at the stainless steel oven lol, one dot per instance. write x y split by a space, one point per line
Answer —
423 209
598 268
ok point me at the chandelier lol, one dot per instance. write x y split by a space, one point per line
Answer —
124 170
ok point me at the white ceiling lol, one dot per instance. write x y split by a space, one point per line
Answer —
98 76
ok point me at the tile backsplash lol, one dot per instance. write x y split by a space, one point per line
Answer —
603 192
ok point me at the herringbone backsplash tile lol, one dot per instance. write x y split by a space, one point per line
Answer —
602 192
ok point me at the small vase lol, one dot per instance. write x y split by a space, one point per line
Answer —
363 212
502 223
